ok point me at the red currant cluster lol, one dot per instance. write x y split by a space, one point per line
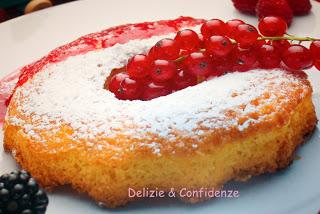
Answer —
189 58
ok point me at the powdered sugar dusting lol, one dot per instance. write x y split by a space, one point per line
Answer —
71 92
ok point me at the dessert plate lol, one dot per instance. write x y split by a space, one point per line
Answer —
27 38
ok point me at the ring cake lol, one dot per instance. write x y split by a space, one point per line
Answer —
66 129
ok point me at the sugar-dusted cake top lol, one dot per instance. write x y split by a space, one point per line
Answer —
71 92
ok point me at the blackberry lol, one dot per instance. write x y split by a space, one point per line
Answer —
20 194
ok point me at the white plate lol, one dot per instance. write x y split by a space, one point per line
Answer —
25 39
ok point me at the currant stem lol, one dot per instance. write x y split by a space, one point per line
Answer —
285 37
180 59
288 37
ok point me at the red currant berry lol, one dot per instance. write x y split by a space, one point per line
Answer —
317 64
272 26
115 81
258 45
154 90
222 64
281 45
124 87
167 49
213 27
232 26
138 66
162 70
145 81
131 88
216 72
218 46
297 57
244 59
198 64
202 41
315 49
269 57
187 40
152 55
246 35
183 80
